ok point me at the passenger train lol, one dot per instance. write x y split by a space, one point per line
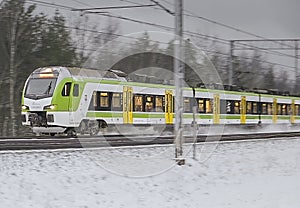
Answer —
73 100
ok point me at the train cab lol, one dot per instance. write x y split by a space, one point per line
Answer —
37 100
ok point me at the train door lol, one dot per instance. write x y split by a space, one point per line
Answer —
274 110
65 102
169 106
75 106
293 112
65 99
216 109
243 109
127 105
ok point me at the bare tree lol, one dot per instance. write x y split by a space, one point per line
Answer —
89 37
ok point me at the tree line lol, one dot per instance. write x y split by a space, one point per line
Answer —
29 40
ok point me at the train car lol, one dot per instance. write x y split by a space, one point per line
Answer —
70 100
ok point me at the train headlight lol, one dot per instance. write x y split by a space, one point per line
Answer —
49 107
25 107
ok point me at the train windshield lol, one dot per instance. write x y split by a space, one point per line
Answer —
38 88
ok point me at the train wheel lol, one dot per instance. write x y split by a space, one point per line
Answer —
71 133
94 128
94 131
83 127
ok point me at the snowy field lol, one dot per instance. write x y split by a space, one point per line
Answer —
233 174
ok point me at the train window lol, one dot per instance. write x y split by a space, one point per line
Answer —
116 101
149 103
229 107
297 110
138 103
264 109
223 107
159 103
236 107
66 89
208 105
104 100
254 108
173 105
187 105
283 109
249 107
76 90
201 105
270 109
288 109
279 109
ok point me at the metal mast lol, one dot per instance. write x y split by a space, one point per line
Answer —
179 79
231 64
296 68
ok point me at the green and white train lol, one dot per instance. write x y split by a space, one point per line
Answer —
71 100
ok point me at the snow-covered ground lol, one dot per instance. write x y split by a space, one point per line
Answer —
233 174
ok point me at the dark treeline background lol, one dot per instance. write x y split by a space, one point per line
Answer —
29 40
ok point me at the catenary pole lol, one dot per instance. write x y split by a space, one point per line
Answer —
296 68
231 64
178 78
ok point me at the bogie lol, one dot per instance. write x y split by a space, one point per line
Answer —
71 133
93 127
83 127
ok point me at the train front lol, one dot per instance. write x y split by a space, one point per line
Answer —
37 100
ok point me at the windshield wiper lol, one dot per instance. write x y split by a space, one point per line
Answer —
48 89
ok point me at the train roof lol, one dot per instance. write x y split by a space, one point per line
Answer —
110 74
93 73
78 72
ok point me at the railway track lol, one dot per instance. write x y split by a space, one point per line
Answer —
39 143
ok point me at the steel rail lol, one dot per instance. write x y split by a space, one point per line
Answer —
42 143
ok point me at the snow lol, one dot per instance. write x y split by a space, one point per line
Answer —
263 173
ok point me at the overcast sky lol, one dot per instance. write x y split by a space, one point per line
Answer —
267 18
270 18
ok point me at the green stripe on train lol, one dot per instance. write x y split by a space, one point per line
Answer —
118 82
147 115
186 116
109 114
284 117
120 115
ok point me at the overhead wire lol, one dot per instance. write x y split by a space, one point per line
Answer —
194 34
51 4
115 7
220 40
163 7
192 14
229 27
236 29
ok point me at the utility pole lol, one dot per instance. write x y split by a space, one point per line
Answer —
231 64
179 78
296 68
